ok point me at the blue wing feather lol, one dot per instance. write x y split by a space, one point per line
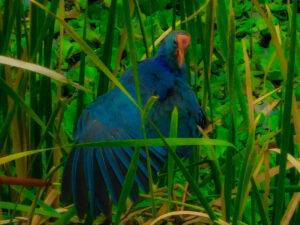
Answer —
80 191
101 194
142 174
109 177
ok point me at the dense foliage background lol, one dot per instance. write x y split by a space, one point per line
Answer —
243 65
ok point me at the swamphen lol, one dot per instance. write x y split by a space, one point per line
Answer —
113 116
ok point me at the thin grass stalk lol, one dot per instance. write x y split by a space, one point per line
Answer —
171 163
241 97
50 122
246 172
251 32
222 23
142 27
192 59
193 77
215 174
229 168
200 37
286 118
191 28
267 179
1 27
17 137
298 54
33 28
10 24
174 3
43 29
207 53
296 217
45 102
56 154
3 113
258 200
128 183
121 47
4 129
107 49
183 26
33 206
253 209
149 6
182 15
35 23
4 21
250 158
9 17
19 31
61 43
80 105
133 58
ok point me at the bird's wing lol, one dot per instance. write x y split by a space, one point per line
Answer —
103 170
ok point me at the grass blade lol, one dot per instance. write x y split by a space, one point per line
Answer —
108 47
261 210
286 118
80 106
127 185
171 163
230 69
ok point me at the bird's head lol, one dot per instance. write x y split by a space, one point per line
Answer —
174 47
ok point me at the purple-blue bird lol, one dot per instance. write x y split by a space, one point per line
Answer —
101 171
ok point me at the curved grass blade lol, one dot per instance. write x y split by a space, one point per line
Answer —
39 69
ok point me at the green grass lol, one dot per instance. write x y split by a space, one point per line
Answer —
243 65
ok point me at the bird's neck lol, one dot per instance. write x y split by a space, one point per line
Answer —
170 63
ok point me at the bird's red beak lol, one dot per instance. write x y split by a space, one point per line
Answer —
183 41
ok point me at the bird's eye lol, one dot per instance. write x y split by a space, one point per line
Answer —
175 41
